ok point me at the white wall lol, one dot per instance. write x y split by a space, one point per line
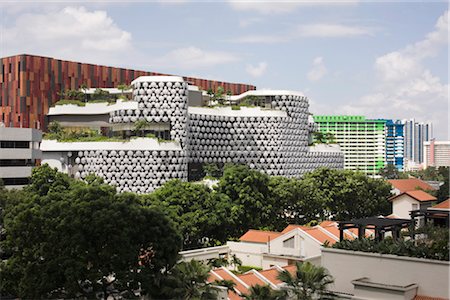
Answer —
53 159
269 262
432 276
402 205
249 253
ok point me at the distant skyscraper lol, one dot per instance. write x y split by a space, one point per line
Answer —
395 143
415 135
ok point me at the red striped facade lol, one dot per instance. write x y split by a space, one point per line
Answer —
30 84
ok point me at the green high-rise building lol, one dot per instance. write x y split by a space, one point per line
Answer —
362 141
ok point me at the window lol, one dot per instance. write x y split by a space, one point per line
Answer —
15 144
289 243
415 206
16 163
16 181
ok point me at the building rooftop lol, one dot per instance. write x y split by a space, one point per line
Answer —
418 195
259 236
410 184
443 205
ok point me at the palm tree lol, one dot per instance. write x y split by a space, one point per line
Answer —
190 281
308 282
84 88
122 87
264 292
141 125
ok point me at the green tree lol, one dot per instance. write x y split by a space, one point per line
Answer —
70 239
349 195
308 282
84 88
100 94
141 125
391 172
212 170
294 201
188 280
263 292
319 137
248 193
193 208
123 87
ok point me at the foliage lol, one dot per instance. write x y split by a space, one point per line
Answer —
434 245
436 174
323 138
244 269
308 282
235 107
391 172
72 95
100 94
70 101
187 280
263 292
212 170
248 193
141 125
347 195
197 212
72 239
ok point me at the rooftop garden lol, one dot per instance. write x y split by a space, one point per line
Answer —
80 97
57 132
430 242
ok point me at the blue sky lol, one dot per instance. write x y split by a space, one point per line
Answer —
381 60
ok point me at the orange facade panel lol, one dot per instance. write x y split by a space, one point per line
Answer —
30 84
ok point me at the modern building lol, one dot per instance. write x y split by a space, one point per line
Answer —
271 135
395 141
436 154
19 153
30 85
416 133
362 141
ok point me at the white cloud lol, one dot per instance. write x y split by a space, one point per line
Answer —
318 70
280 7
257 71
332 30
406 88
249 21
193 57
315 30
70 33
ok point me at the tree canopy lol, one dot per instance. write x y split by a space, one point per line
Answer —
68 239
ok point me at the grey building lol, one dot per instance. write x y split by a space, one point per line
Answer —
416 133
19 153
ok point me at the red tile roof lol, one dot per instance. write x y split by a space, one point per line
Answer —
320 236
410 184
271 275
419 195
259 236
226 275
251 279
292 227
443 205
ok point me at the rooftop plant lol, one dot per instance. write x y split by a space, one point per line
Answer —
435 245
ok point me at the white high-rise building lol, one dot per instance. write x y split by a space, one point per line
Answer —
416 133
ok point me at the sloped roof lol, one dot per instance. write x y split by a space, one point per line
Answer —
259 236
418 195
411 184
421 297
443 205
320 236
291 227
271 275
251 279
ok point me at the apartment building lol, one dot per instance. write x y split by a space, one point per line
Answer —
436 154
395 140
362 141
416 133
19 153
